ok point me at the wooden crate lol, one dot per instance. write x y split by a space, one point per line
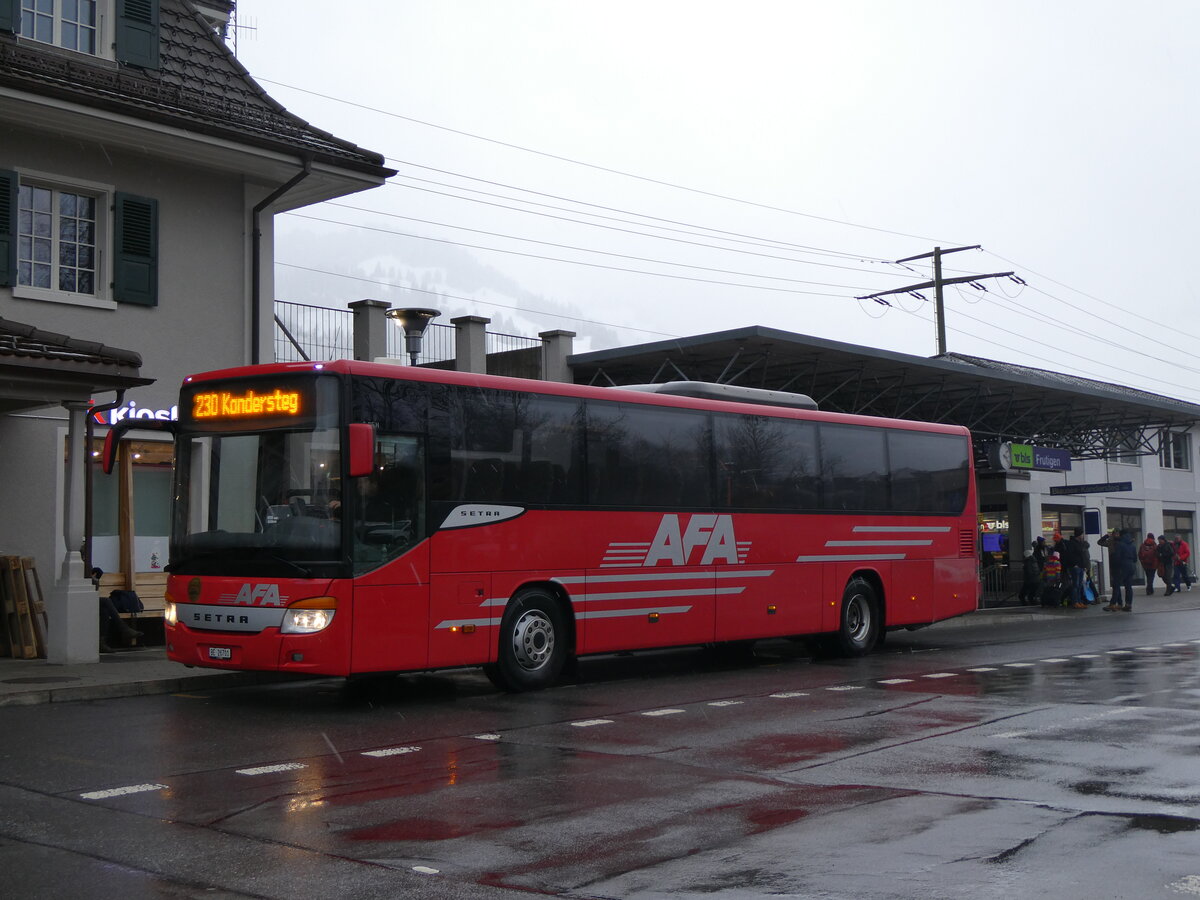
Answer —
17 611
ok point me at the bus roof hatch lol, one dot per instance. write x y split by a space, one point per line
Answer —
707 390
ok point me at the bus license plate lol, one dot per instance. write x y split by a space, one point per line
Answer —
220 653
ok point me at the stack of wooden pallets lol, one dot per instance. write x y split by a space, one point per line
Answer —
22 609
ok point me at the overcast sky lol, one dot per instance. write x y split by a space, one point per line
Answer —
637 170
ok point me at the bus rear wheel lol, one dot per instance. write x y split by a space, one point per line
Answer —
533 643
860 624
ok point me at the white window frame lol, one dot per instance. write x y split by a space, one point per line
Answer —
103 195
1166 454
1127 454
105 15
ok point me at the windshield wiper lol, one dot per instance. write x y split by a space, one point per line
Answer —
304 571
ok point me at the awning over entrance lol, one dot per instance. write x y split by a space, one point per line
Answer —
40 368
998 401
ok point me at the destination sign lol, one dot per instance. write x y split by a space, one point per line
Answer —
216 405
1042 459
1106 487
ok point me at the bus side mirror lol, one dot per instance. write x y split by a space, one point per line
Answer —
112 440
362 449
109 457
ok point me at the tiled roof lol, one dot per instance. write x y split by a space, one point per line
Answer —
26 341
200 86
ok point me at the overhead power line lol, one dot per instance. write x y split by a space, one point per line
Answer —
593 166
576 262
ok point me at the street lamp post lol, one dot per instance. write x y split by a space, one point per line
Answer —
414 321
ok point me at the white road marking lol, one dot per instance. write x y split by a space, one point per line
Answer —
1148 648
122 791
588 723
845 687
426 870
1019 665
391 751
983 669
940 675
663 712
896 681
1120 652
1055 659
726 703
267 770
1087 656
788 695
487 737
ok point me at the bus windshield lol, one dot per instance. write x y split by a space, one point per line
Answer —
258 495
258 504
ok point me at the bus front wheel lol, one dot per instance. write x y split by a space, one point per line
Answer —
533 644
860 624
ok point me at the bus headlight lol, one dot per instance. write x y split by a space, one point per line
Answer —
170 614
308 616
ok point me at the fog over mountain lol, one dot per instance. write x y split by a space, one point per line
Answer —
313 266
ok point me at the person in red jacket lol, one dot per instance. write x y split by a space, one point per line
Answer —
1148 557
1182 553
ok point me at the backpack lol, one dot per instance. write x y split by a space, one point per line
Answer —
126 601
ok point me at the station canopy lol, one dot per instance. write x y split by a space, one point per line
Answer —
998 401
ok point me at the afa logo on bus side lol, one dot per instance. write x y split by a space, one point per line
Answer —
676 545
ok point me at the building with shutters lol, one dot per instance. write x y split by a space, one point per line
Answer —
140 170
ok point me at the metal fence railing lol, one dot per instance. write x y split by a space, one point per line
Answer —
507 343
315 332
310 332
437 344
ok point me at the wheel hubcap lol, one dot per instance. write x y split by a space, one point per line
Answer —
858 619
533 640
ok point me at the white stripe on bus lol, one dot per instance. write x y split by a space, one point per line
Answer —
624 613
851 557
665 576
881 542
909 529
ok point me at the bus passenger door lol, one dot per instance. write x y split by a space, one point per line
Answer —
386 513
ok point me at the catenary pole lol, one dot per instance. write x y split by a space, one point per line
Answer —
937 284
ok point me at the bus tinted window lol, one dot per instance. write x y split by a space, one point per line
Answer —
766 463
929 472
854 465
647 456
392 405
513 447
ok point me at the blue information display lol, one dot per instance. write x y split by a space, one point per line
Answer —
1106 487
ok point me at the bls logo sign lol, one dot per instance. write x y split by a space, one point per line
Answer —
259 595
676 546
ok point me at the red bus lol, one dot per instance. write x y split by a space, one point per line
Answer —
350 517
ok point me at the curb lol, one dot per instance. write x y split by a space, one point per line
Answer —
145 687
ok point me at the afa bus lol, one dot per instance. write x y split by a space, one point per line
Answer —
351 517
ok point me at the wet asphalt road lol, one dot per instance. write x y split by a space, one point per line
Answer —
1057 759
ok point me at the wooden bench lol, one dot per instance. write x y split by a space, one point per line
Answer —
151 588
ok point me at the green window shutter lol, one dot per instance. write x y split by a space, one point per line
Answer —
137 32
135 256
10 14
8 229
